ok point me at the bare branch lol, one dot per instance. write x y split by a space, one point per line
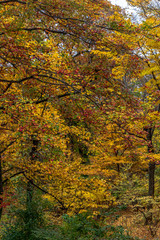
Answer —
17 81
10 144
46 192
16 174
12 1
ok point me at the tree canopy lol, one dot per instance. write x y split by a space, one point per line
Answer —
79 98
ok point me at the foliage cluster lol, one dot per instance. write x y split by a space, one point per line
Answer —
79 109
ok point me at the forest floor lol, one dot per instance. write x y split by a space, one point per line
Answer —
132 221
134 224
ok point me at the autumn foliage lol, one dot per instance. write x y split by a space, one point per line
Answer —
79 100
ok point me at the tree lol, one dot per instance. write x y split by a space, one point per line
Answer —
64 104
149 51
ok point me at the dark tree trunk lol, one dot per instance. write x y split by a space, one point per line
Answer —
118 168
1 188
151 171
151 167
29 192
30 187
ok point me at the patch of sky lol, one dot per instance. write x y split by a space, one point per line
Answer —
132 12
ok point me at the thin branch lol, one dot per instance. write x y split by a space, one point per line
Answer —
7 170
18 81
10 144
59 96
48 14
53 78
8 86
7 61
44 29
11 1
16 174
46 192
156 26
69 94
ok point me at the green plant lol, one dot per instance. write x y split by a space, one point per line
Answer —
82 227
27 220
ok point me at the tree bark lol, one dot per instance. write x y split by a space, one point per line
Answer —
1 188
118 168
30 188
151 167
151 172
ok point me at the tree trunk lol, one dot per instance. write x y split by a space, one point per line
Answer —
151 167
151 172
118 168
1 188
29 192
30 188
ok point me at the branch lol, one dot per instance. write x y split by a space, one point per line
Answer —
48 14
7 61
12 176
59 96
44 29
46 192
18 81
36 77
53 78
87 22
11 1
7 170
156 26
8 86
47 30
7 147
69 94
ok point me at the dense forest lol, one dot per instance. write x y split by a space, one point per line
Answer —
79 120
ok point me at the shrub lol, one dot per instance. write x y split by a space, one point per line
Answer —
82 227
27 220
